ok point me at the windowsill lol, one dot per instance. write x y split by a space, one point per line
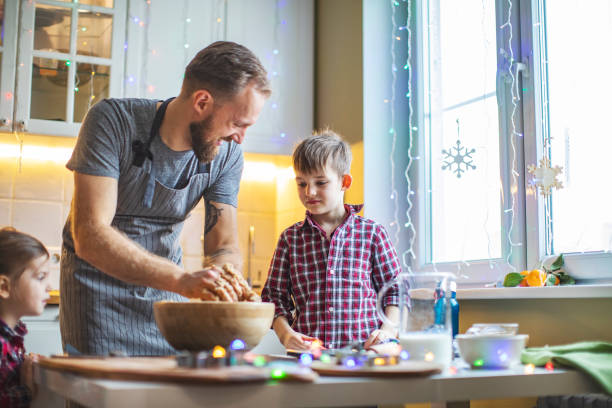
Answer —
546 292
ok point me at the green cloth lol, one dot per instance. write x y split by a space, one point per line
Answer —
592 357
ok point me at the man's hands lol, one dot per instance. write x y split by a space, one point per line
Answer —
195 284
216 284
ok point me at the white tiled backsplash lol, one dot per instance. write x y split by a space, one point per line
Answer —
35 198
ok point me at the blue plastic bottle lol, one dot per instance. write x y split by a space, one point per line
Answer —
454 308
439 306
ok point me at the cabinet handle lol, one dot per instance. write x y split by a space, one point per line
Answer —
20 126
3 122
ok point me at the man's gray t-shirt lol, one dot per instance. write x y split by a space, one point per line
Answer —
104 148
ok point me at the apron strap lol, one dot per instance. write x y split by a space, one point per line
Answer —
142 151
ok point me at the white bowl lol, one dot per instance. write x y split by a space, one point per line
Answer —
484 329
491 351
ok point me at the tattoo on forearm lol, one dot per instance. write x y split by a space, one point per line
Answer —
219 252
210 259
212 216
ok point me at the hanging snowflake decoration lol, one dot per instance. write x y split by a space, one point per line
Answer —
461 158
545 177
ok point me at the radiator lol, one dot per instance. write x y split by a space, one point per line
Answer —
576 401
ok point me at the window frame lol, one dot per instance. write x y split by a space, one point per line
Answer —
26 53
7 70
531 120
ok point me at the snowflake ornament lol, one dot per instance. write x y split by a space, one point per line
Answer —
461 158
545 177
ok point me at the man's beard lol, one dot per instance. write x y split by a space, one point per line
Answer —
204 149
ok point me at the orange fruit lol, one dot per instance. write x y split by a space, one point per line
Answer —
524 281
536 277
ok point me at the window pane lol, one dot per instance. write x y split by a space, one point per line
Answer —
52 28
101 3
94 34
49 81
91 86
579 108
462 120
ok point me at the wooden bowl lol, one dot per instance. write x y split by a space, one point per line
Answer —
202 325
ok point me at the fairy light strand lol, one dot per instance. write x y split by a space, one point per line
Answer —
395 223
186 24
274 66
410 192
514 172
144 72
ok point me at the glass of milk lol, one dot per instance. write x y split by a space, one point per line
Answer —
424 327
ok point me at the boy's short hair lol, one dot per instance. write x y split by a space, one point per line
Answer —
17 250
321 148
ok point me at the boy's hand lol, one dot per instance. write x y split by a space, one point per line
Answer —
297 341
378 336
26 372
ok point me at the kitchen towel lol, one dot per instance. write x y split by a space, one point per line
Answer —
592 357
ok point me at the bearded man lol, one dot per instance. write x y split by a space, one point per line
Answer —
140 166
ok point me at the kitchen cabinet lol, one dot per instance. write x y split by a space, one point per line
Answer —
44 332
58 59
280 33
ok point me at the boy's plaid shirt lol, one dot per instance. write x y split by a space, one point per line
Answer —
327 289
12 393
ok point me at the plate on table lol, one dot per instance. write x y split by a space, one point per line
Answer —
404 369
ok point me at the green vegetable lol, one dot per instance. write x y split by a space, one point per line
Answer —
512 279
557 264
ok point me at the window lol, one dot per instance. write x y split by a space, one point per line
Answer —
502 87
70 57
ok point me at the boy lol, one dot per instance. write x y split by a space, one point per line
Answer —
327 269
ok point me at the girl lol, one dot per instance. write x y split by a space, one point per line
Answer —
23 292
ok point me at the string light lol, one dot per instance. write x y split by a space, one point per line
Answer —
515 98
218 352
392 128
237 344
278 374
185 40
274 72
411 128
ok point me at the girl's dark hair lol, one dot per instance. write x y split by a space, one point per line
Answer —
17 250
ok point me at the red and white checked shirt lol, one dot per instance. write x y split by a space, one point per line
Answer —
327 288
12 393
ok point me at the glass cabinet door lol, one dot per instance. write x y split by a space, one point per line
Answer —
70 57
8 47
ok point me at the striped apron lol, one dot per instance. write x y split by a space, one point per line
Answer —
99 313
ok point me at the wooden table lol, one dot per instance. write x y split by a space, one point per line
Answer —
443 390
